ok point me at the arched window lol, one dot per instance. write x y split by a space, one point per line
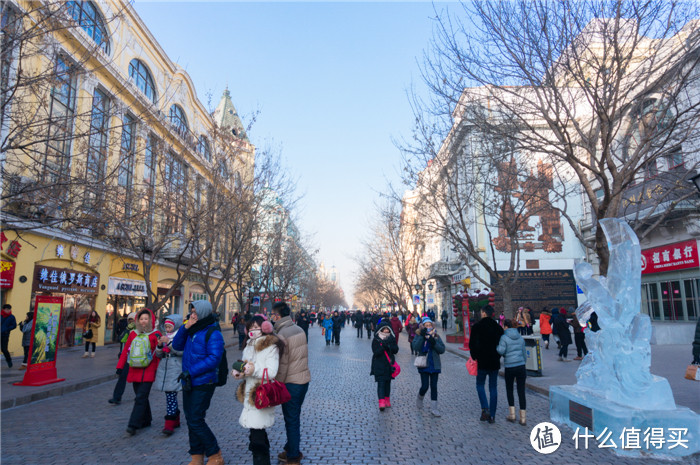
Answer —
203 147
179 120
89 18
142 78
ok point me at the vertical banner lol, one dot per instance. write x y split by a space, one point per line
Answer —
41 368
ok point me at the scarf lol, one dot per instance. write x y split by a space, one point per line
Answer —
201 324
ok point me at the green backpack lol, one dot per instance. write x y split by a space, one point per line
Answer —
140 355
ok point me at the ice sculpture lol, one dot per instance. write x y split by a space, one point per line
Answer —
615 388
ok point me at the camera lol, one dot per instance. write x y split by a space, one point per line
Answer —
186 381
238 365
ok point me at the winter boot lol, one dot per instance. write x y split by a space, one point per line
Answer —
546 345
511 414
485 415
434 409
259 458
387 402
86 355
419 401
177 419
169 427
382 404
523 418
217 459
92 355
197 459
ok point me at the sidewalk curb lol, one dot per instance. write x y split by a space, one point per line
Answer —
464 354
63 388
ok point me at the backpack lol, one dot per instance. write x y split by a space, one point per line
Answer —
222 369
140 354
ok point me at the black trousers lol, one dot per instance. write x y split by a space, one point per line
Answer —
369 331
141 413
5 340
259 444
517 374
383 389
429 380
336 336
359 331
87 346
580 340
26 354
121 383
444 325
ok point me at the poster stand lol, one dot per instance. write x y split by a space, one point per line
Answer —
41 364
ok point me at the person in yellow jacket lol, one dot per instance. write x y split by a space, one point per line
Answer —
91 325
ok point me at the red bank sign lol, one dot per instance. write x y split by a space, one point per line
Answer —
671 257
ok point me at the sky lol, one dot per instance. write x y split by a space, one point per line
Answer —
330 83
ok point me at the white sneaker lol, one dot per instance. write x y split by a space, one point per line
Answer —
92 355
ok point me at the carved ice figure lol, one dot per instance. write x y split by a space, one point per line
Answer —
617 366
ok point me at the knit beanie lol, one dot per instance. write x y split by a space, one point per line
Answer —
425 320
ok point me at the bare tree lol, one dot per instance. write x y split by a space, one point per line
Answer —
605 91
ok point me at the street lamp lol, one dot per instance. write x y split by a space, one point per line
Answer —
696 181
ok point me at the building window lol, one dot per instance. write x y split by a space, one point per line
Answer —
9 25
60 127
90 20
203 148
142 78
175 177
126 158
97 148
674 158
147 197
179 120
650 169
149 160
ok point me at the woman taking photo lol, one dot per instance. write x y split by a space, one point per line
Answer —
429 344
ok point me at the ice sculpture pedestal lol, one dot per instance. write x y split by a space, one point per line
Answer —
579 408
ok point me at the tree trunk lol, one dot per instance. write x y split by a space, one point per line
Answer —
508 310
601 248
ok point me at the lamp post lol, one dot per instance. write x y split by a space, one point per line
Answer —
425 303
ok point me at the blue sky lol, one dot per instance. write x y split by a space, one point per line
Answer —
330 82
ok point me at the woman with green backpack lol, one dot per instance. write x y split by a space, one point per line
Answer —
139 354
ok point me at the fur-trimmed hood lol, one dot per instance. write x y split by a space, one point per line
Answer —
263 342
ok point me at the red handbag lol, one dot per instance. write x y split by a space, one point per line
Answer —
472 367
395 367
270 393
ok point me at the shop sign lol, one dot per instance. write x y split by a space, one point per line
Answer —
123 286
49 279
671 257
130 267
7 274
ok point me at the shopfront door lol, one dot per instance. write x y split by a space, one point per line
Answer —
118 307
76 308
672 302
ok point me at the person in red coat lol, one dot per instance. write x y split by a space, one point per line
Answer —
396 326
141 377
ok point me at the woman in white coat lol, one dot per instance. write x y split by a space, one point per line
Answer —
262 352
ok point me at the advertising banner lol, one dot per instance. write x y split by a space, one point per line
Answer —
7 274
41 368
123 286
256 301
671 257
416 300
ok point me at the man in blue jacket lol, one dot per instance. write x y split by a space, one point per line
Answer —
200 361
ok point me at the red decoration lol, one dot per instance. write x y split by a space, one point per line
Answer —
7 274
14 248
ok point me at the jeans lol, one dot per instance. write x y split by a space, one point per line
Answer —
493 390
383 389
292 417
580 340
545 337
195 403
121 383
517 374
141 413
564 351
241 340
431 378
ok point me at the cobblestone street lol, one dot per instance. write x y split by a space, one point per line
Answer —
340 422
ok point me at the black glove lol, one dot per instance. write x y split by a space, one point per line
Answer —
119 371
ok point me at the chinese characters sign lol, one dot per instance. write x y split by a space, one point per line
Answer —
48 279
671 257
